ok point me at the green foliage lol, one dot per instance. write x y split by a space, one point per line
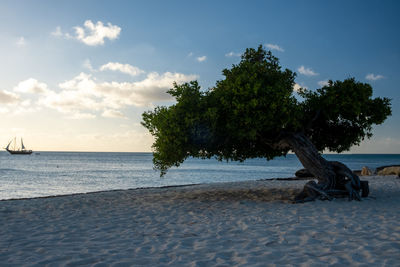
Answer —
344 113
252 109
175 128
253 105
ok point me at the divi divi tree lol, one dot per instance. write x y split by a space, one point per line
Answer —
253 112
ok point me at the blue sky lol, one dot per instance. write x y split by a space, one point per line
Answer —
76 75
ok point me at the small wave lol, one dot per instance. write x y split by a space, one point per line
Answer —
8 170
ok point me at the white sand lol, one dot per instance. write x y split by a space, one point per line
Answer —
231 224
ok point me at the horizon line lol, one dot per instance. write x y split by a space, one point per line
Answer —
85 151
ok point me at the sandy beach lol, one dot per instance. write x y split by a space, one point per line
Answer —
228 224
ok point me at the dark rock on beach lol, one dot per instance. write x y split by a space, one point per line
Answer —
366 171
383 167
390 170
303 173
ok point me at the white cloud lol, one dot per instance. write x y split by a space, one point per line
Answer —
13 104
94 34
83 83
201 59
323 83
296 87
31 86
76 99
274 47
73 103
111 113
21 41
57 32
70 101
306 71
81 116
232 54
87 65
154 87
4 110
124 68
26 103
68 36
83 95
190 54
373 77
8 97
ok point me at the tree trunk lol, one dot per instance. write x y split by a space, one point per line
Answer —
334 178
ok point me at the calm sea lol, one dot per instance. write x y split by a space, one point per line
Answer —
57 173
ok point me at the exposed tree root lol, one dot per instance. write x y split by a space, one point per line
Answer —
345 183
334 178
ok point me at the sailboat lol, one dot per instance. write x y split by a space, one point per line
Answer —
18 151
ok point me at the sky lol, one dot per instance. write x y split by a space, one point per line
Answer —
77 75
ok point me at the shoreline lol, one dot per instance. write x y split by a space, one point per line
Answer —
248 223
95 192
155 187
292 180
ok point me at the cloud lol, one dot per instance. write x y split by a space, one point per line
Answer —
83 83
8 97
4 110
70 102
57 32
274 47
12 104
87 65
296 87
306 71
373 77
94 34
110 113
124 68
323 83
76 99
83 95
232 54
154 87
80 116
31 86
201 59
21 41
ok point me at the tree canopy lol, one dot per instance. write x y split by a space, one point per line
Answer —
253 109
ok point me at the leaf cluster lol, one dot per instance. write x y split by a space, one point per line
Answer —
341 114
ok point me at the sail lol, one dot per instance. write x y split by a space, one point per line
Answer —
22 145
8 145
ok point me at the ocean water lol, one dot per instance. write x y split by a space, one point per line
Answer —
58 173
